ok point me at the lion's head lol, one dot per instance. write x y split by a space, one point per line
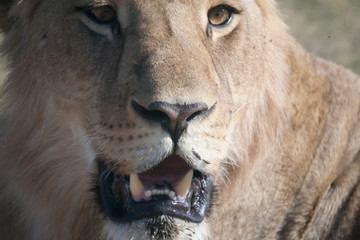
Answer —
136 119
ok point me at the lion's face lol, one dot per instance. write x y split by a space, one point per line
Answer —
162 91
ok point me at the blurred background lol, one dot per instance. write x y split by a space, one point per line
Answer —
328 28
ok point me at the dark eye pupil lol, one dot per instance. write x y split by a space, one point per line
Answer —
219 13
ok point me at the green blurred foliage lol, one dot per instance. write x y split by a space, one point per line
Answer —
328 28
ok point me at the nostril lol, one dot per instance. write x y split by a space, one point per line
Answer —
158 116
154 115
173 117
170 110
194 115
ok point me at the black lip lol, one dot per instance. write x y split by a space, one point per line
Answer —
120 207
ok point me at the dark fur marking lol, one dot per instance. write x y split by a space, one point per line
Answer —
212 202
355 233
199 157
161 227
338 230
290 224
196 155
33 10
205 161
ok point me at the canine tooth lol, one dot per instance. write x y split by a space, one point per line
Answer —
171 194
136 187
153 192
182 187
166 191
148 193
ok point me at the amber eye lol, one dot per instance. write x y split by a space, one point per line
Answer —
102 14
219 16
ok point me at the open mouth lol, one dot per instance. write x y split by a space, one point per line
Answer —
171 188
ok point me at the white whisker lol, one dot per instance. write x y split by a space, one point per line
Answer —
239 108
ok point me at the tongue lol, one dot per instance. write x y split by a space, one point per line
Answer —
172 174
172 168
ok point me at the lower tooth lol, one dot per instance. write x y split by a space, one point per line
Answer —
148 193
171 194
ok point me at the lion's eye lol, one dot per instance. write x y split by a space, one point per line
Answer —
102 14
219 16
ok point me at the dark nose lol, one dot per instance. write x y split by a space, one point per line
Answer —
174 117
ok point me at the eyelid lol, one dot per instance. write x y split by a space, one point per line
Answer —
91 14
233 9
103 4
233 6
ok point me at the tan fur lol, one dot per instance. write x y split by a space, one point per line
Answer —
283 140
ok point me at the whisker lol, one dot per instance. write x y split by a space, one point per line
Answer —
239 108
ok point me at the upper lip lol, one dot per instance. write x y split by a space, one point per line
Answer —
177 190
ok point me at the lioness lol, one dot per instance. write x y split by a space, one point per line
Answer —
172 119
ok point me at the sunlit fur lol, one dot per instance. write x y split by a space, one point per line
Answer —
282 140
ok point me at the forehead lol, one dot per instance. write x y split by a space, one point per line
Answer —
157 3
